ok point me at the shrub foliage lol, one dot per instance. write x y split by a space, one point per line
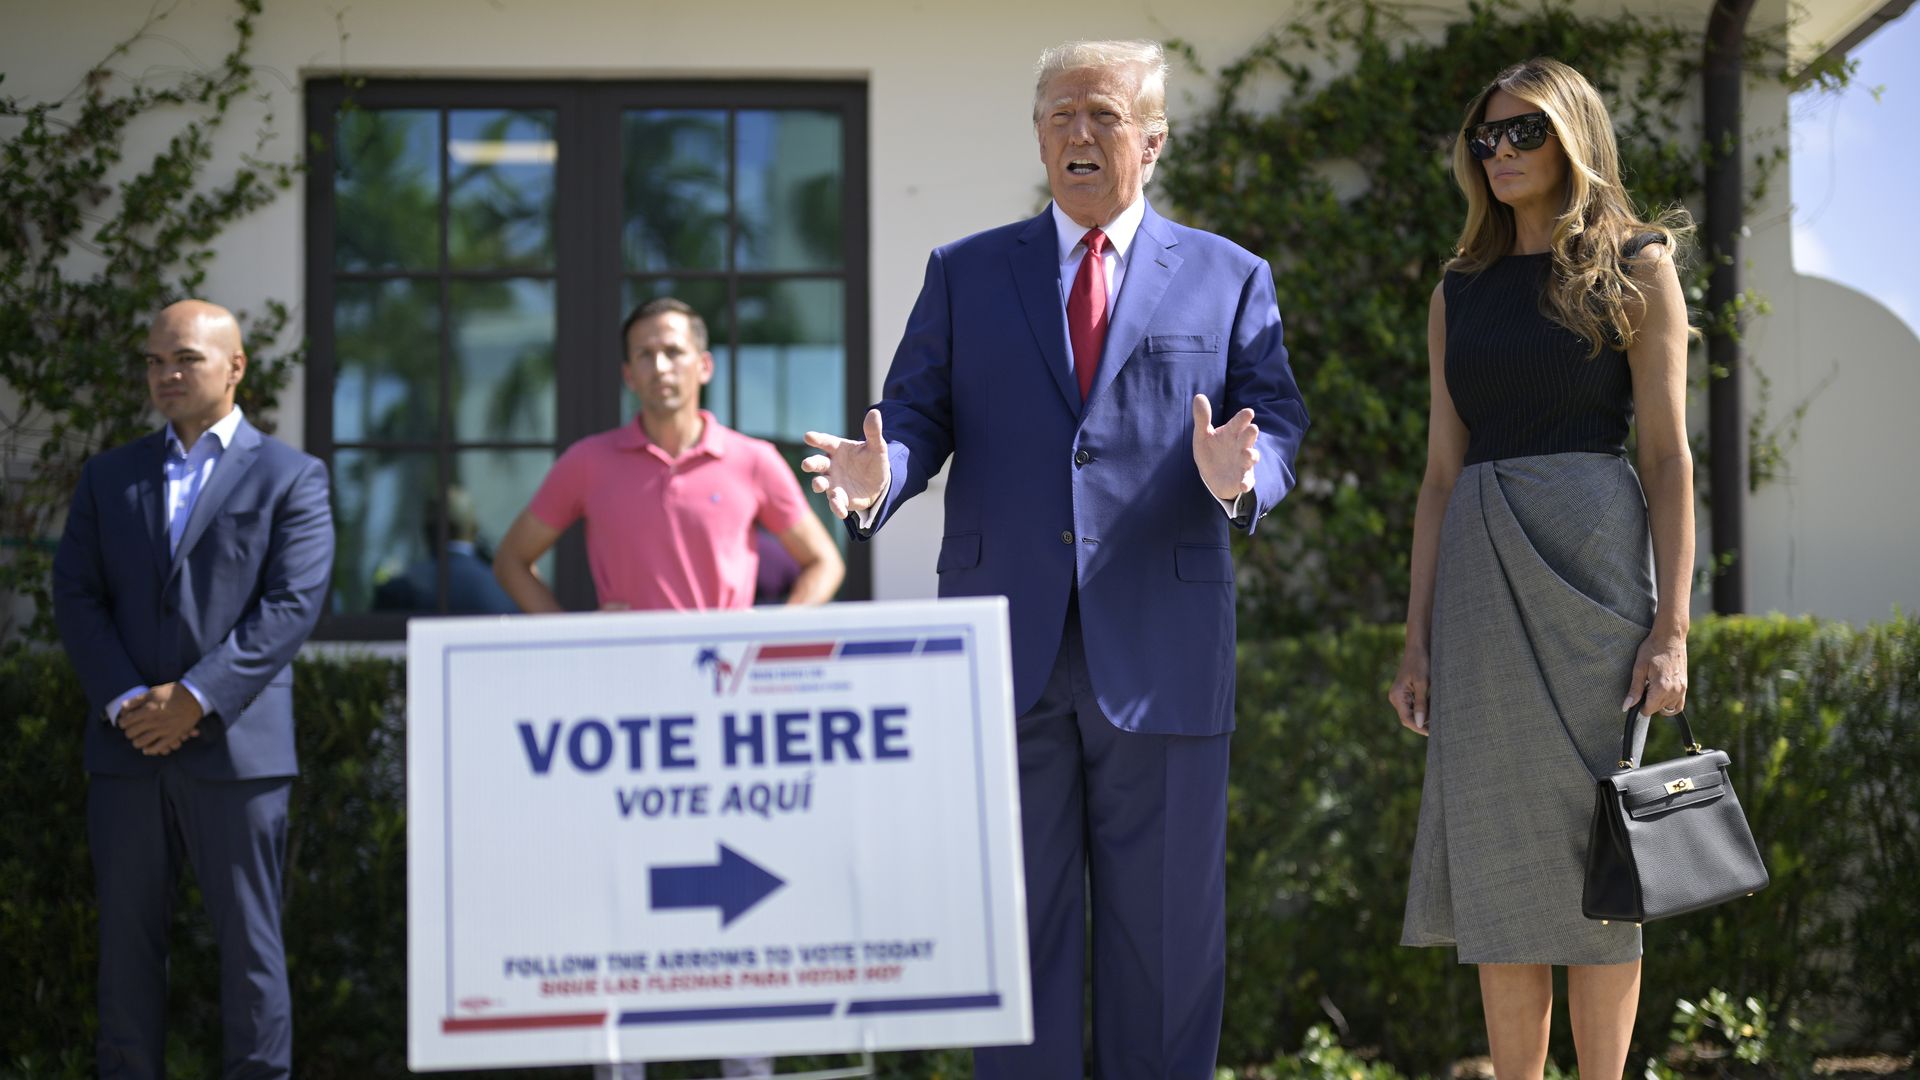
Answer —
91 245
1325 789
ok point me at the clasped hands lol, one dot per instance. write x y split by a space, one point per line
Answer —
852 473
158 721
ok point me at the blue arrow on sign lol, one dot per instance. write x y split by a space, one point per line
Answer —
734 885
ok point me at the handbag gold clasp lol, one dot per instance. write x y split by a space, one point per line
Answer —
1675 787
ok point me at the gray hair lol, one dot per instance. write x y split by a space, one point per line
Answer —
1150 100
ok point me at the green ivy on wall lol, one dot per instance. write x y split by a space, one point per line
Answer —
90 247
1346 186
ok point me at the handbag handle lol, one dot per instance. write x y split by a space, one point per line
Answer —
1627 756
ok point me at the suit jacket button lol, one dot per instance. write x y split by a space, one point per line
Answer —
1066 537
1082 458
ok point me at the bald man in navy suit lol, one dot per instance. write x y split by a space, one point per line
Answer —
194 564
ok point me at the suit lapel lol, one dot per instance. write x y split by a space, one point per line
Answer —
1036 273
1151 265
235 460
151 486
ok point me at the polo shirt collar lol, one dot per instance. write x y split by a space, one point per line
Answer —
633 436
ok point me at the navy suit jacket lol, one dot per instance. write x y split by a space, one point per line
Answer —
1046 496
227 611
471 587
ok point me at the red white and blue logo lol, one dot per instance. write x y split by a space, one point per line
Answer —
728 675
710 659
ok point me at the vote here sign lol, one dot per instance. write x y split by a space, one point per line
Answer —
657 836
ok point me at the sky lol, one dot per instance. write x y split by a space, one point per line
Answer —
1856 173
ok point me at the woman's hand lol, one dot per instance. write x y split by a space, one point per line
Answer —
1409 692
1660 674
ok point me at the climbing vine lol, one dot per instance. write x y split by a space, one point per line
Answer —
1346 185
91 245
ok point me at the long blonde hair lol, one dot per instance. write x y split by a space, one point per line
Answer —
1592 289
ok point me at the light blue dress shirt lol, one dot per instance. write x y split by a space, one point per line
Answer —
187 473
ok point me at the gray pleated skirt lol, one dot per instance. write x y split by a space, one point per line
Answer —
1543 595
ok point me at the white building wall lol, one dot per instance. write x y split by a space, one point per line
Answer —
1839 533
951 148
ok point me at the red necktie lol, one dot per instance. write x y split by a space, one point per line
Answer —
1087 311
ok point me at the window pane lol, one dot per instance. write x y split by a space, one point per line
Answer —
789 190
382 510
386 190
500 189
499 485
503 360
673 170
709 298
387 360
793 358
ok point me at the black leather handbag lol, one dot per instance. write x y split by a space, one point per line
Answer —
1668 838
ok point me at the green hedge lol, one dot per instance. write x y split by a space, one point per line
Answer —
1820 722
1819 719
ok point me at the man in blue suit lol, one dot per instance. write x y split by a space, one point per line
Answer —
194 563
1068 366
471 588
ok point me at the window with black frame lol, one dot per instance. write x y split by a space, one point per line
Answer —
473 248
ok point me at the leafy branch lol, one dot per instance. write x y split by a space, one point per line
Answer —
1345 185
89 250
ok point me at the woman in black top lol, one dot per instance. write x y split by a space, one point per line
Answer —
1545 583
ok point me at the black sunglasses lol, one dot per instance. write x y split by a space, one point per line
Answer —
1524 132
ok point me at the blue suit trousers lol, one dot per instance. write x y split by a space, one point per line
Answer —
234 834
1136 823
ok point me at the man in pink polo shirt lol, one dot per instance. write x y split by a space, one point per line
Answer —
670 500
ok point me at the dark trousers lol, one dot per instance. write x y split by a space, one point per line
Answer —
1141 822
234 833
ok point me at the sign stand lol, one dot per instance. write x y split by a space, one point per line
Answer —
853 1072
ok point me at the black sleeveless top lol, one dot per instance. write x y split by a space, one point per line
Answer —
1521 382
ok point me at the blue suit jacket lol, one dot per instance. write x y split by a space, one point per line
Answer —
1045 496
471 587
227 611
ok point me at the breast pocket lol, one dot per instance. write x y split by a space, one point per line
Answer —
238 531
1172 346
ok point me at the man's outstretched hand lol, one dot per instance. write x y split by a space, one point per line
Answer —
1225 455
851 473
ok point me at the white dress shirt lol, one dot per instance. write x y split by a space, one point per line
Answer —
1071 236
187 473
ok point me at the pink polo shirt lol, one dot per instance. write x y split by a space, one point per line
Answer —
668 532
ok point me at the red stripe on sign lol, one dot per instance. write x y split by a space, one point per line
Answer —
453 1026
811 651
